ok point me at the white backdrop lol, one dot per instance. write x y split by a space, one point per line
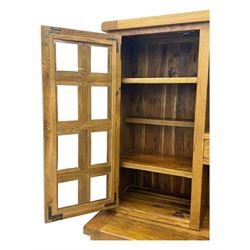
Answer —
21 167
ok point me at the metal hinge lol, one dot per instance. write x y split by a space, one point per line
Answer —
110 38
50 31
54 217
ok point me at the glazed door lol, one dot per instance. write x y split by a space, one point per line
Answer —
81 127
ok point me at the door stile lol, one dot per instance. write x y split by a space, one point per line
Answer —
54 138
50 114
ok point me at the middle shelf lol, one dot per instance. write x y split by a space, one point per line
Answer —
164 164
160 122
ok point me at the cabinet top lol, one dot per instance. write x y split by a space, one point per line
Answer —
154 21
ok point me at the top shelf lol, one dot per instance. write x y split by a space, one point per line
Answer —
160 80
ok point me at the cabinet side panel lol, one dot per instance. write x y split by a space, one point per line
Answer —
199 129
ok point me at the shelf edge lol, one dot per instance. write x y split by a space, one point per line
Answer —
155 169
160 80
159 122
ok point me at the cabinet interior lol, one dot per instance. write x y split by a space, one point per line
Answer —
146 140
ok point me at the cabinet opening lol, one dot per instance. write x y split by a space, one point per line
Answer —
158 97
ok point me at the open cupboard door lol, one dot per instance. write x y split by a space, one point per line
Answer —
81 99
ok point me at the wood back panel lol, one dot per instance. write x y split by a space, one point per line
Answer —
160 102
162 183
171 55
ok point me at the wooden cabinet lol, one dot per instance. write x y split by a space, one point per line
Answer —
154 126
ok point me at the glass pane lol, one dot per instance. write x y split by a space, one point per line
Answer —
66 56
99 147
67 193
99 59
98 187
67 103
99 102
67 151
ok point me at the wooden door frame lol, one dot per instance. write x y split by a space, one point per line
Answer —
53 128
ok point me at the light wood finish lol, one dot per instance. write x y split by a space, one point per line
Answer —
159 164
206 152
207 136
206 161
174 123
144 215
49 123
75 127
92 227
64 175
165 20
154 207
206 149
120 228
83 126
67 77
160 29
199 129
83 180
160 80
117 227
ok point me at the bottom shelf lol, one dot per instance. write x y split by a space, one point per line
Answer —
143 215
151 206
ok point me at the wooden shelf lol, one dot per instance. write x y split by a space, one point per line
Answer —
160 80
164 164
160 122
155 207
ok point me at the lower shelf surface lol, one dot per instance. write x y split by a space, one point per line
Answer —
164 164
143 215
